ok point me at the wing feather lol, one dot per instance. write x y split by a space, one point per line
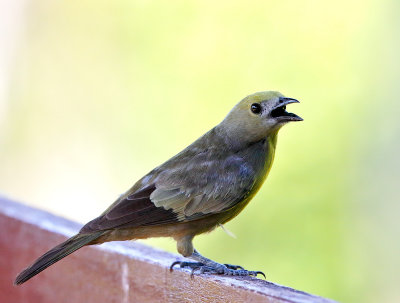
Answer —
181 191
137 210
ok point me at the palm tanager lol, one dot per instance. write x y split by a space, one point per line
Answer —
205 185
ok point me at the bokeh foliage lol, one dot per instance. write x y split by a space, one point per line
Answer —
103 91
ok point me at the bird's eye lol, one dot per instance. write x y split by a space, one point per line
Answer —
256 108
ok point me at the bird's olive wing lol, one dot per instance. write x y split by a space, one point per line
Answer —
135 210
180 193
202 186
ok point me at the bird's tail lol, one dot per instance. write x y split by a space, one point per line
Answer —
56 254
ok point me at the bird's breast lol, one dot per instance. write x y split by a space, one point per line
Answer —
260 156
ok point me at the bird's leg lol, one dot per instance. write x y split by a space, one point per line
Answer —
204 264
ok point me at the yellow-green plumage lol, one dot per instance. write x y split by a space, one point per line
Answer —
205 185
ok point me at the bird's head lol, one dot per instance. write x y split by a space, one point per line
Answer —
258 115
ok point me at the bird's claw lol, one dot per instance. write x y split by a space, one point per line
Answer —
230 266
220 269
186 264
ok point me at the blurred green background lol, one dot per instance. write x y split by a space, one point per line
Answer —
94 94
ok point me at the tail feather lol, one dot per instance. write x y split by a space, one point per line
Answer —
56 254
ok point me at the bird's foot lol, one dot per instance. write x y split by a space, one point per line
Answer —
230 266
216 268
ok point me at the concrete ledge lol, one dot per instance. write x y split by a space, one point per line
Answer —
113 272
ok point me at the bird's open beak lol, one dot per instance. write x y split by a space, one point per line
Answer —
279 112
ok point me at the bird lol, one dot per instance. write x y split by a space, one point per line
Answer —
202 187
